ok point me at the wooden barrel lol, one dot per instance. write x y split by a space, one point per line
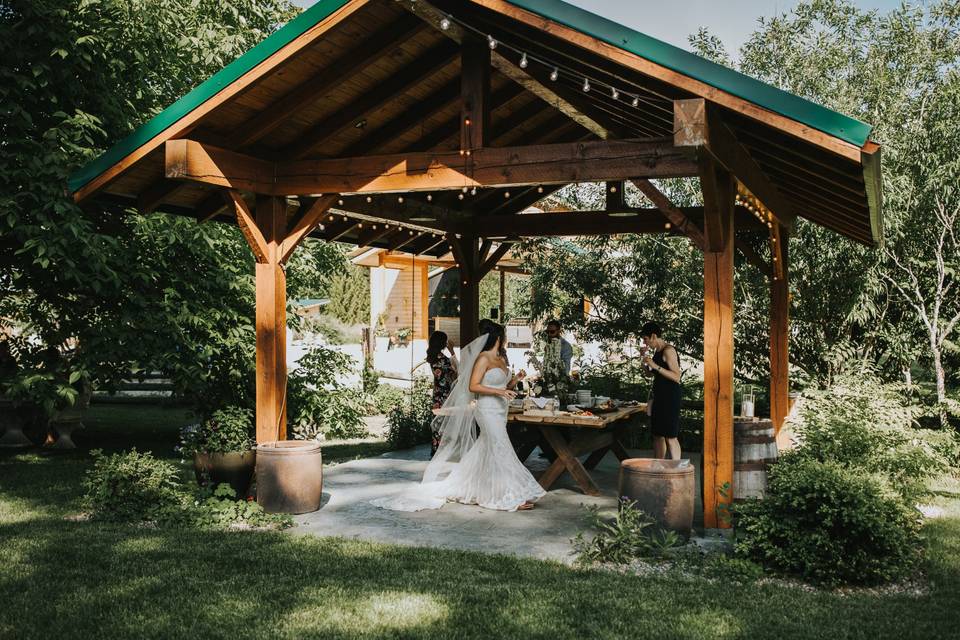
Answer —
754 449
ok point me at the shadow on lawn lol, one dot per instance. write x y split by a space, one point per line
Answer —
118 581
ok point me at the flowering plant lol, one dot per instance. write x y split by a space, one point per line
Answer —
225 431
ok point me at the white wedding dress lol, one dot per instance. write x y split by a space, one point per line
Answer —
488 472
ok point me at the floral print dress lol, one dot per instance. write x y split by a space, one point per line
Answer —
444 377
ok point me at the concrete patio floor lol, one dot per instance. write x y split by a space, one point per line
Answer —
544 532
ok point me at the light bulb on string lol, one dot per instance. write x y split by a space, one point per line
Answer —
491 42
460 196
369 199
554 74
523 61
400 199
636 101
445 23
473 191
614 93
586 85
429 197
540 189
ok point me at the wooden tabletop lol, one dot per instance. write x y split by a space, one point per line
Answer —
562 418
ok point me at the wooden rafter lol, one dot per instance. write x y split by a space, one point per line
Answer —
185 124
491 261
154 195
425 66
353 61
686 83
474 93
304 225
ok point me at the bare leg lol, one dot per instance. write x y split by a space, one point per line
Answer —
659 447
674 445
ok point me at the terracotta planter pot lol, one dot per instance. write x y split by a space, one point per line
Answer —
289 476
233 468
663 489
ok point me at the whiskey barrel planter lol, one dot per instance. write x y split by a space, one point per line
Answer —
289 476
754 449
663 489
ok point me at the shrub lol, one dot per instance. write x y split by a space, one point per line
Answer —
408 423
319 404
829 524
630 535
219 507
386 397
864 424
132 487
226 430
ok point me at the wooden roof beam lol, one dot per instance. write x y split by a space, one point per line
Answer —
488 167
698 125
413 74
672 213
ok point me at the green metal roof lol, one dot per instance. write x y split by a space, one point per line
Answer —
692 65
209 88
804 111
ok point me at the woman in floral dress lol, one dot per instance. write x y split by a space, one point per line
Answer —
444 376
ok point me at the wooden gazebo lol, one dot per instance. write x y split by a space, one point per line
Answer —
428 126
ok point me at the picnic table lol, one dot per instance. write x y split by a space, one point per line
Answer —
570 436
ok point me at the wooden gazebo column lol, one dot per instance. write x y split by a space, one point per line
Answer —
273 241
719 194
779 333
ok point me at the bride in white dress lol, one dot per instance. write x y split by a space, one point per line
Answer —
469 469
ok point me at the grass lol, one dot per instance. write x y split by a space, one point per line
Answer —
66 579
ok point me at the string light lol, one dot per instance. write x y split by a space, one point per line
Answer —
614 93
555 74
506 194
369 199
400 199
491 42
636 101
445 23
460 196
473 191
340 202
540 189
523 61
429 197
586 85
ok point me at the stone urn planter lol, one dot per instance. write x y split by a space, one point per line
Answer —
12 423
289 476
68 420
234 468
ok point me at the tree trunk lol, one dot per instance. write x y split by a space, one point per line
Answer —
941 386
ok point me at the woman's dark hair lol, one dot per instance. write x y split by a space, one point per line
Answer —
436 345
494 332
649 329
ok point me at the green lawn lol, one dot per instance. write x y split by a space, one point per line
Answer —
64 579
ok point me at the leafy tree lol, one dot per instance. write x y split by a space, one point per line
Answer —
350 295
88 294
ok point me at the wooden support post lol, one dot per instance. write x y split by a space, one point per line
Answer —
718 374
271 215
503 294
779 338
475 93
466 252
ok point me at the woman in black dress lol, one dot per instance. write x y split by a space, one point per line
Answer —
444 370
664 405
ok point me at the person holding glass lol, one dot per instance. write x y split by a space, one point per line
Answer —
664 405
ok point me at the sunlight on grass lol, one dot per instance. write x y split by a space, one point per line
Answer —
371 615
719 623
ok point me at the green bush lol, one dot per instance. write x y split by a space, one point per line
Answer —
319 404
863 424
225 431
132 487
408 423
630 535
386 397
829 524
219 507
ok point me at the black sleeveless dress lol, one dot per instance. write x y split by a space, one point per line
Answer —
665 415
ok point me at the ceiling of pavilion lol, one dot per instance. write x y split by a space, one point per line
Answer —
384 81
